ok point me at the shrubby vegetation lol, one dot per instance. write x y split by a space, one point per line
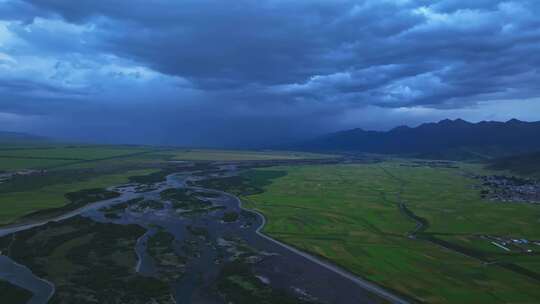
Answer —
236 283
87 261
14 294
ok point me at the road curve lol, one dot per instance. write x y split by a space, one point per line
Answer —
344 273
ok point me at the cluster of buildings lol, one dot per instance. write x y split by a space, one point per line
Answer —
431 164
509 189
513 244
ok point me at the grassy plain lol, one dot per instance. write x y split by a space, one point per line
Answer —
71 152
12 164
350 214
234 155
69 168
52 157
53 196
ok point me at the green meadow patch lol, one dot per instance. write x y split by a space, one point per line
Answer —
350 214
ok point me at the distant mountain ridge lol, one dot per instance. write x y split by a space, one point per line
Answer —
16 137
449 139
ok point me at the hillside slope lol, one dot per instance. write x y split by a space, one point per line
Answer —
450 139
528 164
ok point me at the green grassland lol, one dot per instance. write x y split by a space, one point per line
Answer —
232 155
345 213
69 168
13 164
350 214
54 196
71 152
52 157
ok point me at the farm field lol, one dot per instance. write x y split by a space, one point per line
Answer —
351 215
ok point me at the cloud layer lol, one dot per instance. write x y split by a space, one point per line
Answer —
252 72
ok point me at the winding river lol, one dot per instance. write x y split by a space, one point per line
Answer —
284 267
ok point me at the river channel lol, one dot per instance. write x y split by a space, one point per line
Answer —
275 264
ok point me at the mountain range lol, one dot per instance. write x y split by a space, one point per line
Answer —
446 139
20 138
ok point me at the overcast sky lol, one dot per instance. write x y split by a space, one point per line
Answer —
208 72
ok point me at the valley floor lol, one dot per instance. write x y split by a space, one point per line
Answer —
37 178
422 231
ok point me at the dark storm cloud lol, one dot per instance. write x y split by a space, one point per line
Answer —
266 42
253 71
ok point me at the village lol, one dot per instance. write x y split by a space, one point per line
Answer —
501 188
515 245
431 164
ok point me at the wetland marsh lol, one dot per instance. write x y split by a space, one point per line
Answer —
176 243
